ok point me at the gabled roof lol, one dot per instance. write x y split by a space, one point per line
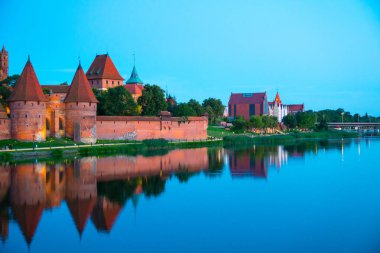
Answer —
103 68
247 98
134 78
80 89
296 108
27 87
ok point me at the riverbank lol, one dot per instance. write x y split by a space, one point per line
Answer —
64 148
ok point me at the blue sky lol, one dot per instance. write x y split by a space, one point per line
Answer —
323 53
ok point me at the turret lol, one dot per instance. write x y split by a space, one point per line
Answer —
3 64
28 107
134 84
80 106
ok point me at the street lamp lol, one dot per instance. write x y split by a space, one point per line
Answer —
342 116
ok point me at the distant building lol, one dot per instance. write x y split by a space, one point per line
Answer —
280 110
248 104
103 74
3 64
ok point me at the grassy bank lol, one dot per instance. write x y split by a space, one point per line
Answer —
286 138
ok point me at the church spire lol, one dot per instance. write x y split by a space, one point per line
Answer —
134 77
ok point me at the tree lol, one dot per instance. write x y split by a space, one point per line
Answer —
269 121
119 102
152 100
197 107
183 109
322 125
100 96
4 95
290 121
306 119
256 122
240 123
214 108
10 80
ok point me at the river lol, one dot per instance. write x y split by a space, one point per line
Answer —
315 196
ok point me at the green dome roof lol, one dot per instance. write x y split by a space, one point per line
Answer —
134 77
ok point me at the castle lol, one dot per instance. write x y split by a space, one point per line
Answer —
70 111
256 104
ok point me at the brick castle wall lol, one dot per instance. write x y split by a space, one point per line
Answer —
140 128
28 120
5 129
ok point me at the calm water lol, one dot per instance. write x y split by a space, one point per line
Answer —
311 197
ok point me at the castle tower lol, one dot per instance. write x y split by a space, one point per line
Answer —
103 74
80 106
3 64
134 84
28 107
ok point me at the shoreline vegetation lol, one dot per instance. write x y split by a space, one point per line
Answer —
218 137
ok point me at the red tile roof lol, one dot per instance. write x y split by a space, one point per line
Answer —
80 210
80 89
58 88
27 87
104 214
103 68
28 218
296 108
247 98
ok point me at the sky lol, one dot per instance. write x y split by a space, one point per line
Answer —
325 54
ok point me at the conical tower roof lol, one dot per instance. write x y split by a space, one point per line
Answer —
28 218
80 211
80 89
134 77
3 49
27 87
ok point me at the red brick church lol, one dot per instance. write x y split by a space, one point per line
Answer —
70 111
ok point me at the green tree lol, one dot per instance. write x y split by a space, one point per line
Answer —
10 80
214 108
119 102
197 107
290 121
322 125
152 100
256 122
269 121
100 96
183 109
240 123
306 119
4 95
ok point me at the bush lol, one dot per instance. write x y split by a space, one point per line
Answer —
57 153
155 142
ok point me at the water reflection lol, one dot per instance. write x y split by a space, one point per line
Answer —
97 189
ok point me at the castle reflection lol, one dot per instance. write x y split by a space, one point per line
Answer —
97 188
